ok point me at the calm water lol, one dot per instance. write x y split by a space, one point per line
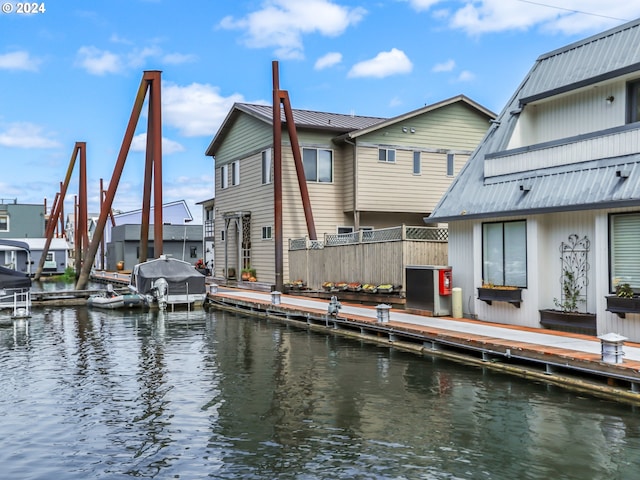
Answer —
88 394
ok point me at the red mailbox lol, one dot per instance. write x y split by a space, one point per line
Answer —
444 281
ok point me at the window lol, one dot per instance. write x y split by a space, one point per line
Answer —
235 173
267 175
193 252
224 176
318 165
633 101
4 223
266 233
504 253
417 168
624 250
222 235
387 155
342 230
450 158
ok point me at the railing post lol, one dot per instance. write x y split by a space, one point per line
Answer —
403 234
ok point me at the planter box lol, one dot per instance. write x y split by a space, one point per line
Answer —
622 305
511 295
569 321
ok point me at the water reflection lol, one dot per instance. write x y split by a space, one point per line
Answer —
93 394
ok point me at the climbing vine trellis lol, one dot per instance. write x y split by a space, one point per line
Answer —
575 267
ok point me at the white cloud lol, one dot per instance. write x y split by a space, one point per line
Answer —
447 66
383 65
328 60
178 58
26 135
19 60
139 144
282 23
196 109
466 76
99 62
567 17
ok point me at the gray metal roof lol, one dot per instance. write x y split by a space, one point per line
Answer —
585 62
334 122
585 185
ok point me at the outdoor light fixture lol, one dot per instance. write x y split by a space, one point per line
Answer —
623 173
404 129
610 99
525 187
413 130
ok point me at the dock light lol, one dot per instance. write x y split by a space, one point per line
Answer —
276 297
382 313
612 344
213 288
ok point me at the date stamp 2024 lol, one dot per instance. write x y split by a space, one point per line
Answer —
26 8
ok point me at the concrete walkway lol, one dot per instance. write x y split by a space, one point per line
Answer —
547 338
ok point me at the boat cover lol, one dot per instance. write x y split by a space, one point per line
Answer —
181 276
12 279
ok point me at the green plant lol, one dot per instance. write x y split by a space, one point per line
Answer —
69 275
624 290
570 293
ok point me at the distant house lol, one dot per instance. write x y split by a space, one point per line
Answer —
361 173
558 174
26 223
208 224
181 238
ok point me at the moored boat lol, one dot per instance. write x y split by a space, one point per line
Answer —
110 299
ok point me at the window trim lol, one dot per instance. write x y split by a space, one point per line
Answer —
632 103
317 150
451 165
417 161
267 167
267 229
224 176
7 219
504 269
612 272
235 173
386 155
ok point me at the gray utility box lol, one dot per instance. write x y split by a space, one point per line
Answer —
429 288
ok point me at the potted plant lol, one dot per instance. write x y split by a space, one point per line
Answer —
490 293
624 301
247 273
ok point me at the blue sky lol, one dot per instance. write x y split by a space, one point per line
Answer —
70 73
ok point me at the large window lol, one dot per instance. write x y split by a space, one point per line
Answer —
450 164
633 101
624 231
224 176
504 253
4 223
267 176
318 165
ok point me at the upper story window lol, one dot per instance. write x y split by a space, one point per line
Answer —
224 176
504 253
417 164
387 155
267 175
266 233
450 164
633 101
4 223
235 173
318 165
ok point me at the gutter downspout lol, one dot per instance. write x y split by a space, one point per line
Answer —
356 213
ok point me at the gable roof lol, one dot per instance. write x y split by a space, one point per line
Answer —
581 186
326 121
427 108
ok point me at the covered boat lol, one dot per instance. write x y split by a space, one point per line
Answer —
14 288
169 281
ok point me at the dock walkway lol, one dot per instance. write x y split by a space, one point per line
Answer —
558 357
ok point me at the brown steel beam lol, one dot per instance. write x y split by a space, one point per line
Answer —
82 220
277 179
55 214
155 113
85 272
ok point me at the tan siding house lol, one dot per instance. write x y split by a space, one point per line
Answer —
361 172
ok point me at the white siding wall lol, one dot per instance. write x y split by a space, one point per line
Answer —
572 114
